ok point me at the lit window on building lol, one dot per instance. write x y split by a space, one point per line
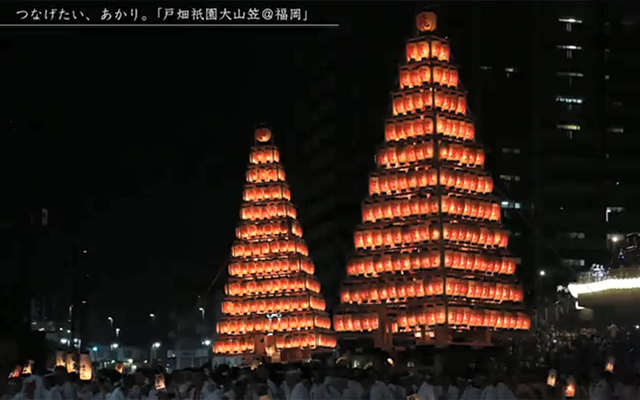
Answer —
510 71
508 150
569 47
510 178
574 235
510 205
571 262
615 130
486 68
612 210
568 127
570 20
569 100
570 74
607 77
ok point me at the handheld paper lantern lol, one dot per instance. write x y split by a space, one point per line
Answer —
570 388
160 385
611 364
27 368
86 368
70 363
552 378
60 359
120 368
16 372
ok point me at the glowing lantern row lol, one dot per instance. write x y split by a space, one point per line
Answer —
268 211
271 267
265 174
312 340
401 291
234 346
271 305
484 290
356 322
392 292
404 262
397 155
268 229
418 127
272 286
462 316
415 234
422 100
423 50
274 247
455 128
397 182
410 78
285 323
393 209
264 155
276 191
425 317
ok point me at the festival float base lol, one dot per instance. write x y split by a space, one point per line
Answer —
431 265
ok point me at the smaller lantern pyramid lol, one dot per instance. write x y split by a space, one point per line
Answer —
431 256
273 306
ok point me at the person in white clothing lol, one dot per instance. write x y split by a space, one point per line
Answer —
321 391
425 391
301 390
354 390
601 387
474 390
122 390
291 378
397 390
445 390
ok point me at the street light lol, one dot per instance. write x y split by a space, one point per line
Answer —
114 345
202 311
153 317
111 321
156 345
207 342
542 273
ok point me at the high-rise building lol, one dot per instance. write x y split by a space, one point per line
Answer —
431 263
316 160
556 109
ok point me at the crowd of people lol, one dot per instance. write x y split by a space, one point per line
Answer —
549 365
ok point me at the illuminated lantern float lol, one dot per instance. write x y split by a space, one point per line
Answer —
431 260
273 305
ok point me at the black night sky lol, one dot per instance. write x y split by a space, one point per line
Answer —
137 140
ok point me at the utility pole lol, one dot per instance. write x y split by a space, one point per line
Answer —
75 303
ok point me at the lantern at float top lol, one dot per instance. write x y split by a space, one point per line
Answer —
426 21
263 135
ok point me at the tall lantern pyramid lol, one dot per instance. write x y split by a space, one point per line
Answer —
431 264
273 306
